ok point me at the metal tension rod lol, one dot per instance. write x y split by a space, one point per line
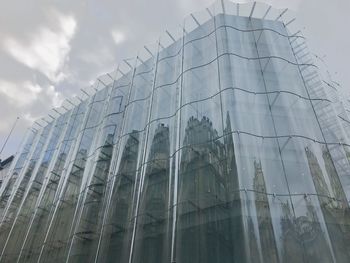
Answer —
43 119
109 75
71 102
284 11
267 12
296 33
211 15
195 20
170 35
102 82
36 122
57 111
127 63
160 44
83 91
52 117
223 6
121 72
251 12
185 31
149 52
92 86
64 108
78 98
301 44
291 21
140 60
295 38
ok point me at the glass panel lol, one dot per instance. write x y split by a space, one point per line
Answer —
7 187
44 210
87 232
116 235
30 198
18 194
57 239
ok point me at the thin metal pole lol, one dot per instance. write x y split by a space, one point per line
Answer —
172 38
284 11
251 12
8 136
195 20
267 11
127 63
57 111
291 21
83 91
211 15
146 48
102 82
223 6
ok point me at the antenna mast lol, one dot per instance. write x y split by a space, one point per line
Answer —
8 136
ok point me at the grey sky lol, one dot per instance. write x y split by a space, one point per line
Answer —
51 49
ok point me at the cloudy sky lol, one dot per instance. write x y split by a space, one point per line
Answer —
51 49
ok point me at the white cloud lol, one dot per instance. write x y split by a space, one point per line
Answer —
20 94
189 6
56 97
198 5
28 117
117 36
291 4
101 57
48 49
30 98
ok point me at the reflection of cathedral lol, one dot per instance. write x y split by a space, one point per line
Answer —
332 202
55 246
117 233
40 222
336 187
19 226
5 195
12 208
266 238
152 239
85 240
207 218
303 237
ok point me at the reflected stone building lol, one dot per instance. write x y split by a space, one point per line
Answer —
4 168
221 143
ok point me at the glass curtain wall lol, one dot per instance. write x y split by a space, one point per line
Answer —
220 143
30 248
30 198
18 193
8 185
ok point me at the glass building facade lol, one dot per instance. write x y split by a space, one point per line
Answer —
221 143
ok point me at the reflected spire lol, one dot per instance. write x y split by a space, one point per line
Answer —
207 218
266 234
152 242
